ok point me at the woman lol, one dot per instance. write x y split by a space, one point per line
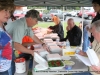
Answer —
58 27
6 9
96 7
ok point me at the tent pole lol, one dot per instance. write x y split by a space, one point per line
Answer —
82 8
63 18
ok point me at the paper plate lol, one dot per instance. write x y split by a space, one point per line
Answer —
65 57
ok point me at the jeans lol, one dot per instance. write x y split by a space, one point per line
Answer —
30 64
12 72
83 73
4 73
9 71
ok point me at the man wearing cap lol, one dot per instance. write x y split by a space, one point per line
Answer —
23 27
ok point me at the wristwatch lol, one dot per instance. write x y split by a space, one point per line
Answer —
43 44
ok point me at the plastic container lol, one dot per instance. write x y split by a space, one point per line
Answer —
67 44
20 65
55 49
57 40
68 64
37 46
53 57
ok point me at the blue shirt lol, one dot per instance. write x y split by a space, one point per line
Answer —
86 42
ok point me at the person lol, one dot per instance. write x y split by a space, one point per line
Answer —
96 7
6 9
86 41
57 28
80 25
74 33
95 30
20 28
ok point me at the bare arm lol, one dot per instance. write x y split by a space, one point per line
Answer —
28 43
22 49
35 38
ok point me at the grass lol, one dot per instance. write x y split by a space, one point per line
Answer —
47 24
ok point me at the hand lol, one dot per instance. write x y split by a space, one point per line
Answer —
96 69
68 28
88 29
82 53
49 31
32 53
45 47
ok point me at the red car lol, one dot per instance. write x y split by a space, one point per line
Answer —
89 15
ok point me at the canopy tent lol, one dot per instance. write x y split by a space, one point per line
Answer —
82 3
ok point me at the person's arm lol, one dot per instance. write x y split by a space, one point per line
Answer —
64 39
22 49
85 40
28 43
37 40
96 69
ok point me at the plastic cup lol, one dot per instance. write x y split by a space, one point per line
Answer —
68 67
77 51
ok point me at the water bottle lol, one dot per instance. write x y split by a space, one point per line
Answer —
67 44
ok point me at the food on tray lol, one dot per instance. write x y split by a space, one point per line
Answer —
55 63
66 62
69 53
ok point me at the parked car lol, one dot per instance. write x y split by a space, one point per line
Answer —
80 13
72 13
18 14
89 15
58 13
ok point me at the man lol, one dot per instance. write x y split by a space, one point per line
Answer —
22 27
74 33
95 30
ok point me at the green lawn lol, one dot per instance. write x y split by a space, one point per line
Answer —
47 24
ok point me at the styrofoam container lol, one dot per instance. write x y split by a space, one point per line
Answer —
39 67
51 44
47 36
56 68
55 49
40 60
43 53
54 37
53 57
54 34
48 41
66 57
39 49
37 46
